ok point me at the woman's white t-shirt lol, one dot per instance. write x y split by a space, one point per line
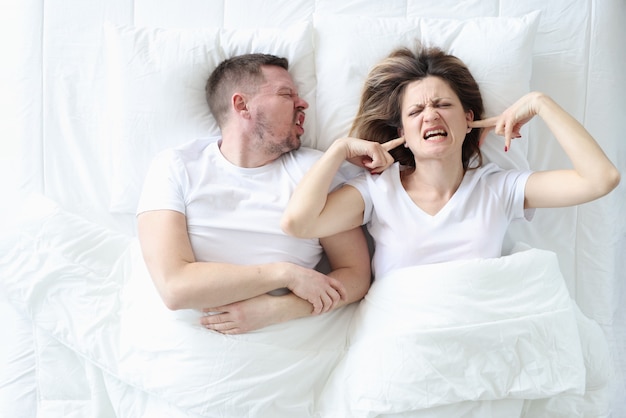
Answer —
472 224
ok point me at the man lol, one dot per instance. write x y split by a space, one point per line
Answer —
209 215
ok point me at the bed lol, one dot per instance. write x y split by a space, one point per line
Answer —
91 91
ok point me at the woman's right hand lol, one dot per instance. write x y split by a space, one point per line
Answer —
373 156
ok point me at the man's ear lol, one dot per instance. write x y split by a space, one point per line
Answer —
239 103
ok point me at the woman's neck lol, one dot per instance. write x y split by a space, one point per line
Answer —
431 185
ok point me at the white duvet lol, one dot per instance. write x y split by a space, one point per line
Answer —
475 330
479 338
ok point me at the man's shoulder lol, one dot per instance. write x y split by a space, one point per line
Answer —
303 157
190 150
306 153
197 145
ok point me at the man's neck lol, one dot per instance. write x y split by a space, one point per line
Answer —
239 153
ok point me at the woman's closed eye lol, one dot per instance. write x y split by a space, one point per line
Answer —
415 111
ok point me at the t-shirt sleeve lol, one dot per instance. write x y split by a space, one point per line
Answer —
164 184
346 172
516 183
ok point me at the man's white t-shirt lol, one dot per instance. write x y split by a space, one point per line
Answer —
472 224
233 213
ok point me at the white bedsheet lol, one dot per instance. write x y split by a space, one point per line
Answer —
471 338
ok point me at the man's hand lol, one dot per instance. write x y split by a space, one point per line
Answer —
250 315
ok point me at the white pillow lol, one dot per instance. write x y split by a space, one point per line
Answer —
497 50
156 79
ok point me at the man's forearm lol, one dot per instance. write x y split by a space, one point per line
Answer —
257 313
186 283
199 285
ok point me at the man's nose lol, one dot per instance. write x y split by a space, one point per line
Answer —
300 103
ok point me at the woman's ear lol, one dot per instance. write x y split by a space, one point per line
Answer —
469 117
400 134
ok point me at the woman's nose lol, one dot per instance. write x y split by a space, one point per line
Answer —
430 113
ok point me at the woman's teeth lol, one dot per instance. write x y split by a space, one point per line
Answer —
438 132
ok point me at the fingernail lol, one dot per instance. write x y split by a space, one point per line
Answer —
506 149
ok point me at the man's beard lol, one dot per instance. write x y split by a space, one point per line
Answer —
263 130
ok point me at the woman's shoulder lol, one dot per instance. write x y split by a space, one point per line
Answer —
495 178
486 169
392 172
490 171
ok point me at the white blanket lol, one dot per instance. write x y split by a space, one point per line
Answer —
87 287
476 330
278 371
472 338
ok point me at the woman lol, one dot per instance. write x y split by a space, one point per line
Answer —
438 192
448 325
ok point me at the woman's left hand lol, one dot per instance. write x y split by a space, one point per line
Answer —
510 122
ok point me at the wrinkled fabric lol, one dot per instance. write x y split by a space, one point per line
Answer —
93 303
474 330
477 338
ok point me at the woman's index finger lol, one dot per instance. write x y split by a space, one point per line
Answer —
484 123
389 145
